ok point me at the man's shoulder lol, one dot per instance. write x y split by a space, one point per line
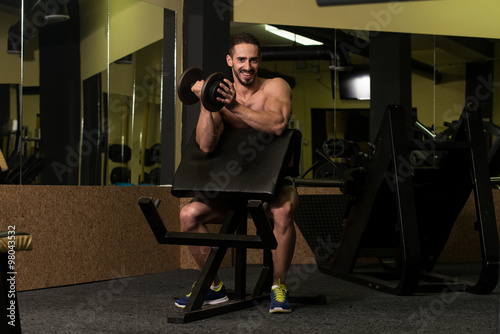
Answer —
274 83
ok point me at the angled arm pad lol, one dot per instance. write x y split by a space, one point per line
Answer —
247 164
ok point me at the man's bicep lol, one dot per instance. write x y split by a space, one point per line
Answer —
280 106
279 98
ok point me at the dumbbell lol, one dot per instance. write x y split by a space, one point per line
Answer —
209 92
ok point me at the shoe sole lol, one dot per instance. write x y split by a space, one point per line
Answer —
216 301
280 310
208 302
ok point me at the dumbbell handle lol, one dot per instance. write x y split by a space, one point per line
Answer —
186 81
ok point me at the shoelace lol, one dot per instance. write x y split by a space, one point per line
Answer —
280 293
192 287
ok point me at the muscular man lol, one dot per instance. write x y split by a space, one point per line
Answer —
264 105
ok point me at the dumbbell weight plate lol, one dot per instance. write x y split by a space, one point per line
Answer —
186 81
209 92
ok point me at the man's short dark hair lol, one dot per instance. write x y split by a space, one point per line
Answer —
243 38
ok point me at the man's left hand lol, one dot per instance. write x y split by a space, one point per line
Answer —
228 93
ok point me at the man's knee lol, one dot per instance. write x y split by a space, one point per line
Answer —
189 217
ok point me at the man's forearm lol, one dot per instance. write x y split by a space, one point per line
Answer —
207 131
266 121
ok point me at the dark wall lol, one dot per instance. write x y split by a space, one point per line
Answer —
206 40
390 76
479 86
60 99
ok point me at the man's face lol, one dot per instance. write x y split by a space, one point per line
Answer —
245 63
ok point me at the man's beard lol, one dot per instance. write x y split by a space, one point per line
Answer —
243 82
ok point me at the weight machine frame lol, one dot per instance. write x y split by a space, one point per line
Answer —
413 210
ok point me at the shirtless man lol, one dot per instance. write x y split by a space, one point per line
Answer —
264 105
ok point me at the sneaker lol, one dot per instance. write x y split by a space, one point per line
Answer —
279 299
214 296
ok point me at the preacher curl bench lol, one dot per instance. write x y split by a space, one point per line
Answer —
246 170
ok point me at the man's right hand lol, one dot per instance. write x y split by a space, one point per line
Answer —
196 88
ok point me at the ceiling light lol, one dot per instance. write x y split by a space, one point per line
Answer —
291 36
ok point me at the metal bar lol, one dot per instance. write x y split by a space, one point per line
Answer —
153 217
319 183
205 279
495 180
212 311
264 229
359 215
240 266
391 151
211 266
424 130
265 280
485 208
197 239
404 195
169 80
213 239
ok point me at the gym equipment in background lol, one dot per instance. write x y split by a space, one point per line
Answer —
402 210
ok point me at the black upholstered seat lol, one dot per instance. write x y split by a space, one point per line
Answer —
247 164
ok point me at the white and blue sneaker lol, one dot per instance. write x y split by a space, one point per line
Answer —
215 295
279 299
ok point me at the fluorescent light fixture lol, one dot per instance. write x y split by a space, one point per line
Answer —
291 36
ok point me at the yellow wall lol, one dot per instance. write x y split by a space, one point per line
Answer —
133 25
93 36
442 17
11 63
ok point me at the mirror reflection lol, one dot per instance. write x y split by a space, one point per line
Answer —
10 85
134 118
331 85
97 120
99 130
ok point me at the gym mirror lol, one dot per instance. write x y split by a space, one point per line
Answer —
331 94
122 104
10 86
118 116
103 123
